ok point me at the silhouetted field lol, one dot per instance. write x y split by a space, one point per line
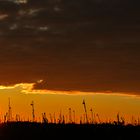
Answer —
31 131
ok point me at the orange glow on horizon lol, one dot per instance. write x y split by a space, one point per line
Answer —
28 88
107 105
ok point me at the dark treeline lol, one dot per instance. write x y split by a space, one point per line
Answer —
31 131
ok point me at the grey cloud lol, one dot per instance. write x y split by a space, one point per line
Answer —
63 16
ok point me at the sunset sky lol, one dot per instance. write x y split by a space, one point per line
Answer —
59 52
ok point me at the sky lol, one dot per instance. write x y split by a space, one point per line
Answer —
85 48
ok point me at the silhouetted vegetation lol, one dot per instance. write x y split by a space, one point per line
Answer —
33 130
89 127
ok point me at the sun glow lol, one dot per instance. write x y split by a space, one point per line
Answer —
29 88
107 104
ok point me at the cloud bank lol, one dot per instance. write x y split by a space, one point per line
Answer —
29 88
82 45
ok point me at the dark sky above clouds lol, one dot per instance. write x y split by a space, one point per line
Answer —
86 45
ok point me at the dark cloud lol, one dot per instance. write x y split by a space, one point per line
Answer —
86 45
